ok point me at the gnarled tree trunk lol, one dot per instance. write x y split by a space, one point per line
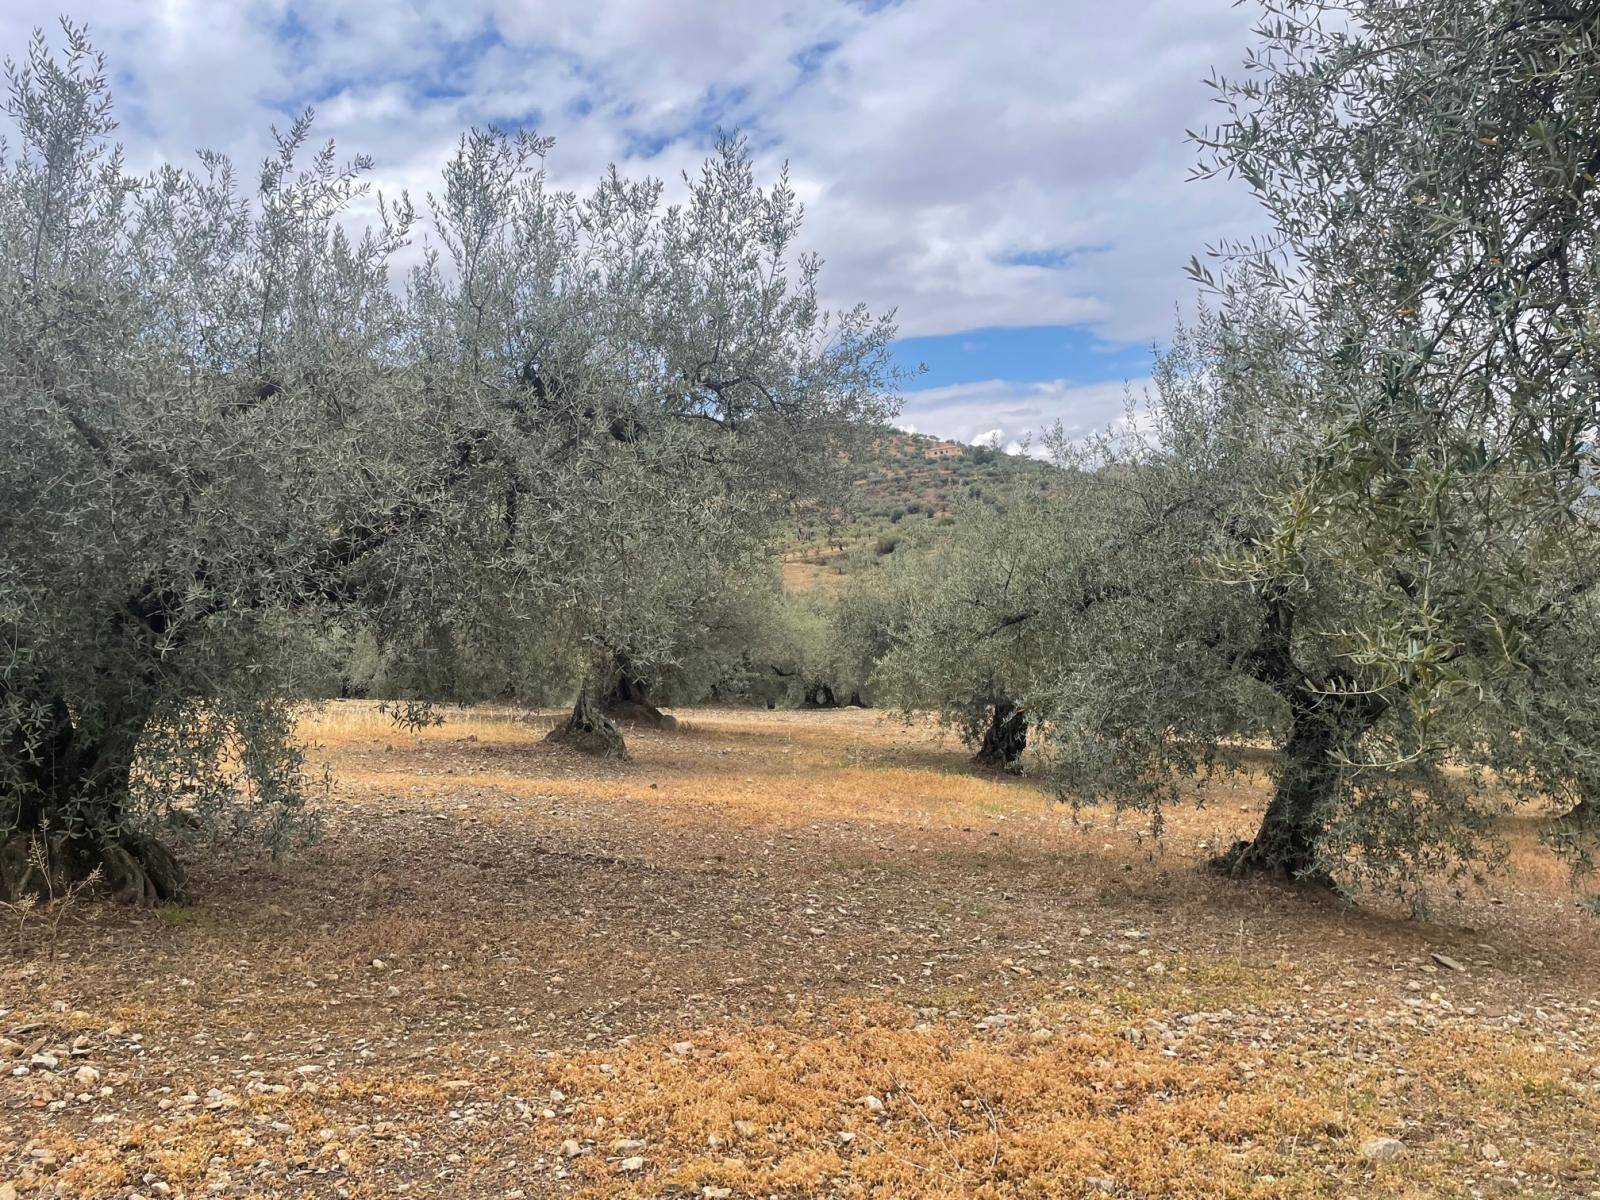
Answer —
628 699
65 807
1286 846
820 695
1005 739
588 729
1585 814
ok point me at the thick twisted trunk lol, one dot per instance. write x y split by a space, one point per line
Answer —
1328 717
1585 814
1005 739
588 729
820 695
1287 845
65 809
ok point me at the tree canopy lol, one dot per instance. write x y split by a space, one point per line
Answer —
231 419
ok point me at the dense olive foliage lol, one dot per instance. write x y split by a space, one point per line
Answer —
1357 516
235 436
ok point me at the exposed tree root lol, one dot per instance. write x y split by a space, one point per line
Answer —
1246 860
139 871
641 713
628 699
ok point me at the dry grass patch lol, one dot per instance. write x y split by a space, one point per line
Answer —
825 906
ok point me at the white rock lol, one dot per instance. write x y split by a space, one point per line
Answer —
629 1165
871 1103
1382 1149
570 1148
86 1076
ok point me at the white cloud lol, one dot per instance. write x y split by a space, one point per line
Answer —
936 142
1001 412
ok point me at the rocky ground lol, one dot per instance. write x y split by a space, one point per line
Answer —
793 955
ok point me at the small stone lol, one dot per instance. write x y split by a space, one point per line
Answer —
47 1061
745 1128
86 1076
623 1145
378 964
846 1136
1444 960
571 1148
629 1165
715 1193
1100 1183
682 1048
1383 1149
871 1103
1491 1152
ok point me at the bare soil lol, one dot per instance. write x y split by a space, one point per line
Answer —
785 954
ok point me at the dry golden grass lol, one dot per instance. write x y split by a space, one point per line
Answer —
508 969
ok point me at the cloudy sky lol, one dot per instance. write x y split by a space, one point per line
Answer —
1009 174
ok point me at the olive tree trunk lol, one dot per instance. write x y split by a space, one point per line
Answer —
1005 739
1585 814
588 729
65 812
1287 845
628 699
820 695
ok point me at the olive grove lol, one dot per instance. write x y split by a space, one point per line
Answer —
233 425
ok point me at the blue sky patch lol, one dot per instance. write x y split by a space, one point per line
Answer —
1021 354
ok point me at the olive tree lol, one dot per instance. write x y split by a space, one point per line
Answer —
1430 170
208 433
1169 649
1431 173
962 614
660 382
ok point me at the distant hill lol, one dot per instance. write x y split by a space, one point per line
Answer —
900 482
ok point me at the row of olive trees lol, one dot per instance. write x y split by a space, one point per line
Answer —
234 433
1356 519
